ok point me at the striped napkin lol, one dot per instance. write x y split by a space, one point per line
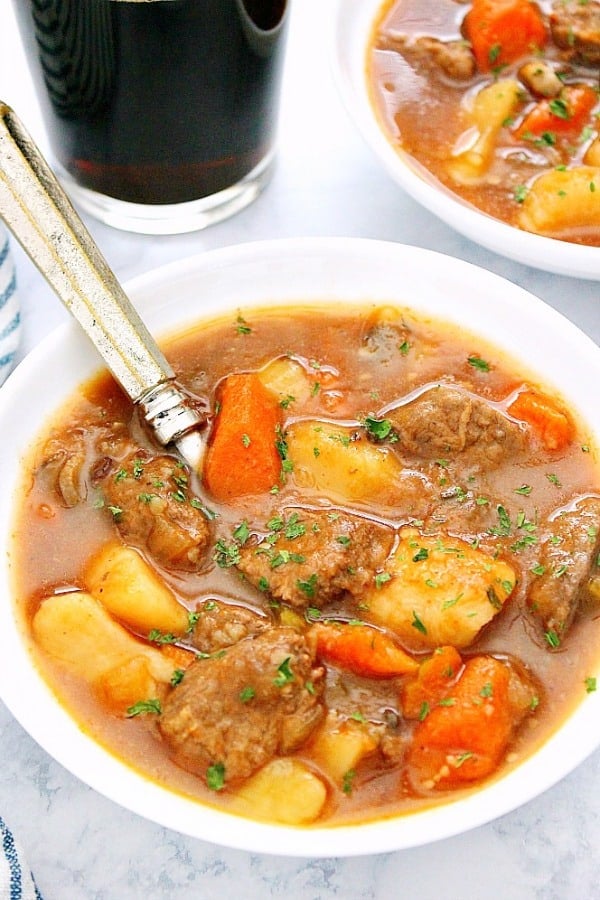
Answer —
16 881
10 317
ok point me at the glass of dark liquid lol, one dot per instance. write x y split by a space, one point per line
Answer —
161 114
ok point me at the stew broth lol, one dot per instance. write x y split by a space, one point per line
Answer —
351 378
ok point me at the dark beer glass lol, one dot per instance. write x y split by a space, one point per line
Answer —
161 114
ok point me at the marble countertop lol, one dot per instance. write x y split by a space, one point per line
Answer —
81 845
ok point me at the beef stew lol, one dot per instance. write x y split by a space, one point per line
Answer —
381 592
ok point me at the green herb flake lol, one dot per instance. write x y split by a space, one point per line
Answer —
520 193
462 758
284 673
247 694
477 363
215 777
590 684
160 637
381 578
524 490
144 706
379 429
177 677
242 326
418 624
421 554
553 639
308 587
348 780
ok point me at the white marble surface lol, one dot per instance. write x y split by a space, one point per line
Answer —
82 846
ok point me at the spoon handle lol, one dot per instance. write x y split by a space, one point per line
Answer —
41 217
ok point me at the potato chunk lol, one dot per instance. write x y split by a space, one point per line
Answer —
441 591
343 464
560 200
286 378
76 629
285 790
492 106
126 585
342 743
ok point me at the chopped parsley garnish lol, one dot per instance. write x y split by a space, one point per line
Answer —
525 490
590 685
247 694
242 326
480 364
160 637
347 780
226 555
381 578
242 532
421 554
215 777
308 587
379 429
418 624
144 706
177 677
284 673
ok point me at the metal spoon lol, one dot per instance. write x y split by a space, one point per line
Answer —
41 217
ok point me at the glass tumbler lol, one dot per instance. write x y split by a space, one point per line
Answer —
161 114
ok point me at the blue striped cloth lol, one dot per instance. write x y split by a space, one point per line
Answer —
16 881
10 317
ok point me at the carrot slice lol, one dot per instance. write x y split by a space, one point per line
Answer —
464 738
553 426
242 456
362 650
567 114
502 31
434 679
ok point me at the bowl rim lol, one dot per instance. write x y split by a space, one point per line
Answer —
320 262
351 25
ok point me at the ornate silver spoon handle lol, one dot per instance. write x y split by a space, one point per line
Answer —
41 217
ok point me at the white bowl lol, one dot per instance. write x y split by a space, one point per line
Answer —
309 270
352 27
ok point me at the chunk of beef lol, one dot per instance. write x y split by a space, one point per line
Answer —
447 421
152 510
221 624
260 698
568 560
454 58
68 461
575 28
312 557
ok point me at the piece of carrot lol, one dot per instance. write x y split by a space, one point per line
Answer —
363 650
553 426
502 31
242 456
464 738
567 114
434 679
